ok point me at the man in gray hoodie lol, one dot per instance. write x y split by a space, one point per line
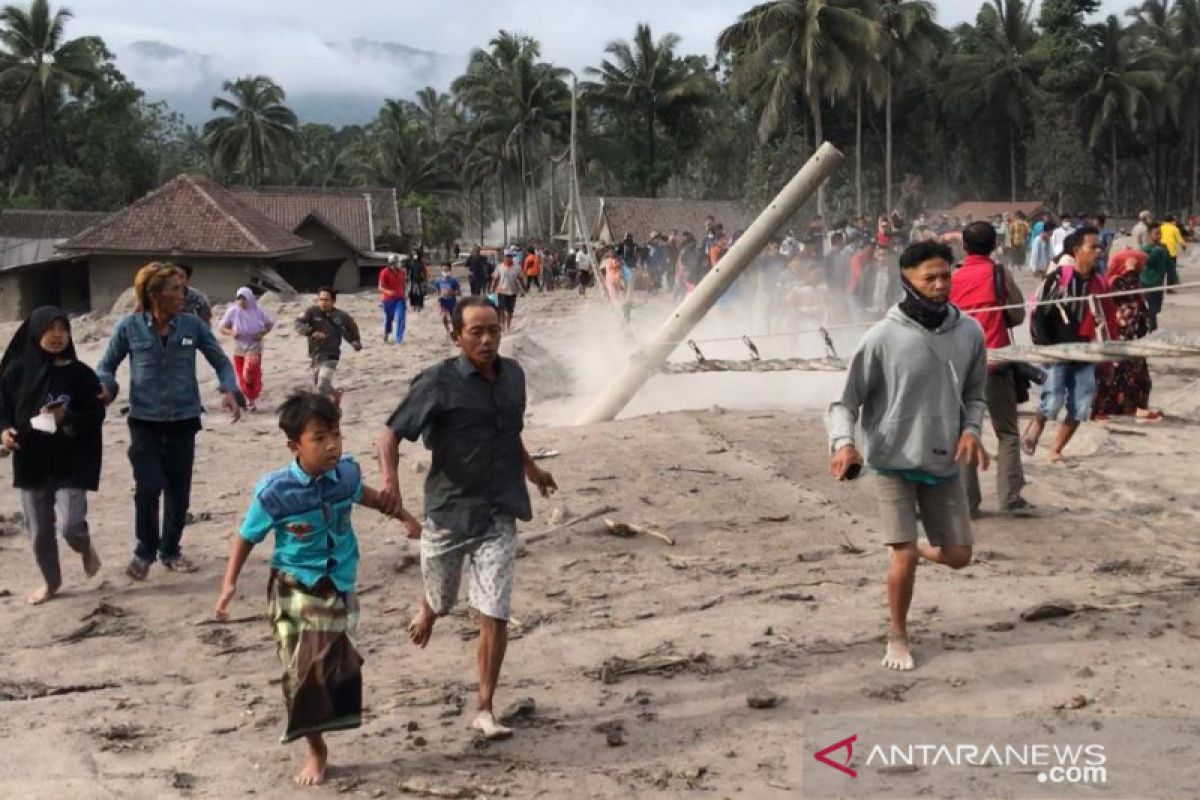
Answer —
917 382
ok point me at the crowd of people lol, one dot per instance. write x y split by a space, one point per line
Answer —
917 391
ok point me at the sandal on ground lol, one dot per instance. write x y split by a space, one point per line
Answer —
179 564
138 569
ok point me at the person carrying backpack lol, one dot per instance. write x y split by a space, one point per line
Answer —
981 283
1072 319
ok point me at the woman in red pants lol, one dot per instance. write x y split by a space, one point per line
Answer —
247 324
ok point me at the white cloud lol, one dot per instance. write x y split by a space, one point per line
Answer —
288 39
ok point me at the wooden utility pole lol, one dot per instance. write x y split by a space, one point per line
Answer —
689 313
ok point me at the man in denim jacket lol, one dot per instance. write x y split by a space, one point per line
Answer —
164 409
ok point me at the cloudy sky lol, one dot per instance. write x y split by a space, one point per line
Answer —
313 47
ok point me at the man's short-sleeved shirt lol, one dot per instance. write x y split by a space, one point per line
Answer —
1171 239
508 279
311 521
447 286
197 302
472 426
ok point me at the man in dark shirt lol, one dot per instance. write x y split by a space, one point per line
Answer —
477 270
470 410
194 301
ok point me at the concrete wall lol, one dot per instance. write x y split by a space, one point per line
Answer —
10 297
326 249
64 285
219 278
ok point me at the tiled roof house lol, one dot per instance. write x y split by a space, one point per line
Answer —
610 218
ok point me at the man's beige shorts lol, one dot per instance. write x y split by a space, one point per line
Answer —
943 510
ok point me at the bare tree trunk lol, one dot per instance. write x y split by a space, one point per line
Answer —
504 209
482 217
1116 205
553 205
1012 162
524 195
887 156
858 200
1195 159
818 140
650 148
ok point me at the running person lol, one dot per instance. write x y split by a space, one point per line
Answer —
506 283
470 411
325 327
312 605
448 291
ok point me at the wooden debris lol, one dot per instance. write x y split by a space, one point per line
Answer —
537 537
624 529
231 620
426 789
656 662
698 471
1052 610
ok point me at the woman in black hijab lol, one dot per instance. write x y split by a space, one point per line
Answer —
50 419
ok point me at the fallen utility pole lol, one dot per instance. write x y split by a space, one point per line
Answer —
677 327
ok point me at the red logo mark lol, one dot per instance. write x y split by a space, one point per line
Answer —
300 530
848 745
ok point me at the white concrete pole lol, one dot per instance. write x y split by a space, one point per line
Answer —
676 328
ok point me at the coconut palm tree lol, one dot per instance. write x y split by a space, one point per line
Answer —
519 101
1184 65
996 75
38 63
1129 75
645 80
436 110
909 39
399 151
783 49
258 131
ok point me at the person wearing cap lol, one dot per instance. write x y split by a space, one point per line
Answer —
1141 230
391 297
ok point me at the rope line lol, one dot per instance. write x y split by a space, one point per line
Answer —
869 323
1158 345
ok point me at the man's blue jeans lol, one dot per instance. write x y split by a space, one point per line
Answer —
394 309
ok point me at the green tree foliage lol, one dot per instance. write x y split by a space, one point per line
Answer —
1037 101
645 87
785 49
257 134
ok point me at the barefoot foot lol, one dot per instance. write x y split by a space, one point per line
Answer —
1055 457
421 626
486 724
898 655
41 595
313 772
91 562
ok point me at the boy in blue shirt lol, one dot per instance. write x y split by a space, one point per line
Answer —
312 605
448 290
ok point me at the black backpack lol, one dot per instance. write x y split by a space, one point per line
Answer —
1055 323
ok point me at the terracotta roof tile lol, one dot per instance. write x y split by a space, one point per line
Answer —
39 224
189 215
348 215
385 209
986 209
643 215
